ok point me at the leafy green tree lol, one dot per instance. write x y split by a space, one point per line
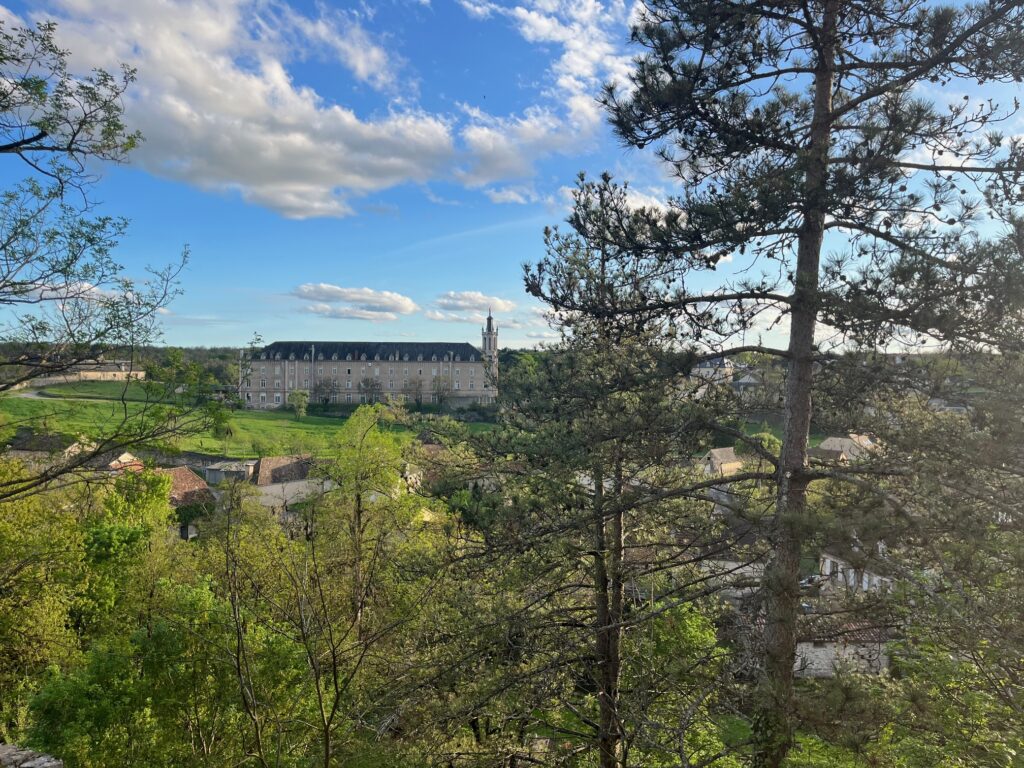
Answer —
298 401
68 301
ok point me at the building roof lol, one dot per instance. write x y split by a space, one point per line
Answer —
187 487
828 454
835 629
720 458
282 469
126 462
374 350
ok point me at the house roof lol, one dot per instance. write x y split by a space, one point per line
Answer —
126 461
282 469
718 458
187 487
838 629
828 454
382 350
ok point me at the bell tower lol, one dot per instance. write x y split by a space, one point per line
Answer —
489 335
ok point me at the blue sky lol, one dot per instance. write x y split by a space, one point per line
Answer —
359 170
353 170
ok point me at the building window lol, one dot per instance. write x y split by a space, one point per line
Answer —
433 372
391 385
248 397
471 385
456 371
305 383
348 398
348 385
263 397
277 383
456 385
334 371
263 383
277 369
277 399
376 371
391 371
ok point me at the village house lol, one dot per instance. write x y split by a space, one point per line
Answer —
854 446
721 462
838 573
827 645
188 495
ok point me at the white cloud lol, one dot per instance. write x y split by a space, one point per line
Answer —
342 33
354 303
591 36
473 300
517 195
219 105
349 313
220 109
456 317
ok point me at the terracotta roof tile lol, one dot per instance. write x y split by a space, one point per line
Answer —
187 487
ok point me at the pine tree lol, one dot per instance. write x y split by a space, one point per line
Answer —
796 127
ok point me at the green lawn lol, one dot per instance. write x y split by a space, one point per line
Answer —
103 390
253 433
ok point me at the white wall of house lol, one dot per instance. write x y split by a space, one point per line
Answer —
823 658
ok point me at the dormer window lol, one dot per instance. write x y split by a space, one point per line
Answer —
334 356
405 357
472 358
458 358
348 356
320 356
433 358
362 356
377 356
419 358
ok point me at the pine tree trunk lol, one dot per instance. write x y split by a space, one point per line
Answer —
774 718
608 604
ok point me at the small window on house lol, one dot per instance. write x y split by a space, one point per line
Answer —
419 358
458 358
472 358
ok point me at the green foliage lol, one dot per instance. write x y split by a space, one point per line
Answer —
298 401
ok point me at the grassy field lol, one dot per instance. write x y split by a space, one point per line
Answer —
102 390
90 408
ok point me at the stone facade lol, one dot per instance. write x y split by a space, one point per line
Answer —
15 757
823 658
351 372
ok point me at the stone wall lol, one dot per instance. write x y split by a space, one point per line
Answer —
14 757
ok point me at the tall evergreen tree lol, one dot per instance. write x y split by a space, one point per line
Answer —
800 126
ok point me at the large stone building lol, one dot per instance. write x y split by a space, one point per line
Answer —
352 372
